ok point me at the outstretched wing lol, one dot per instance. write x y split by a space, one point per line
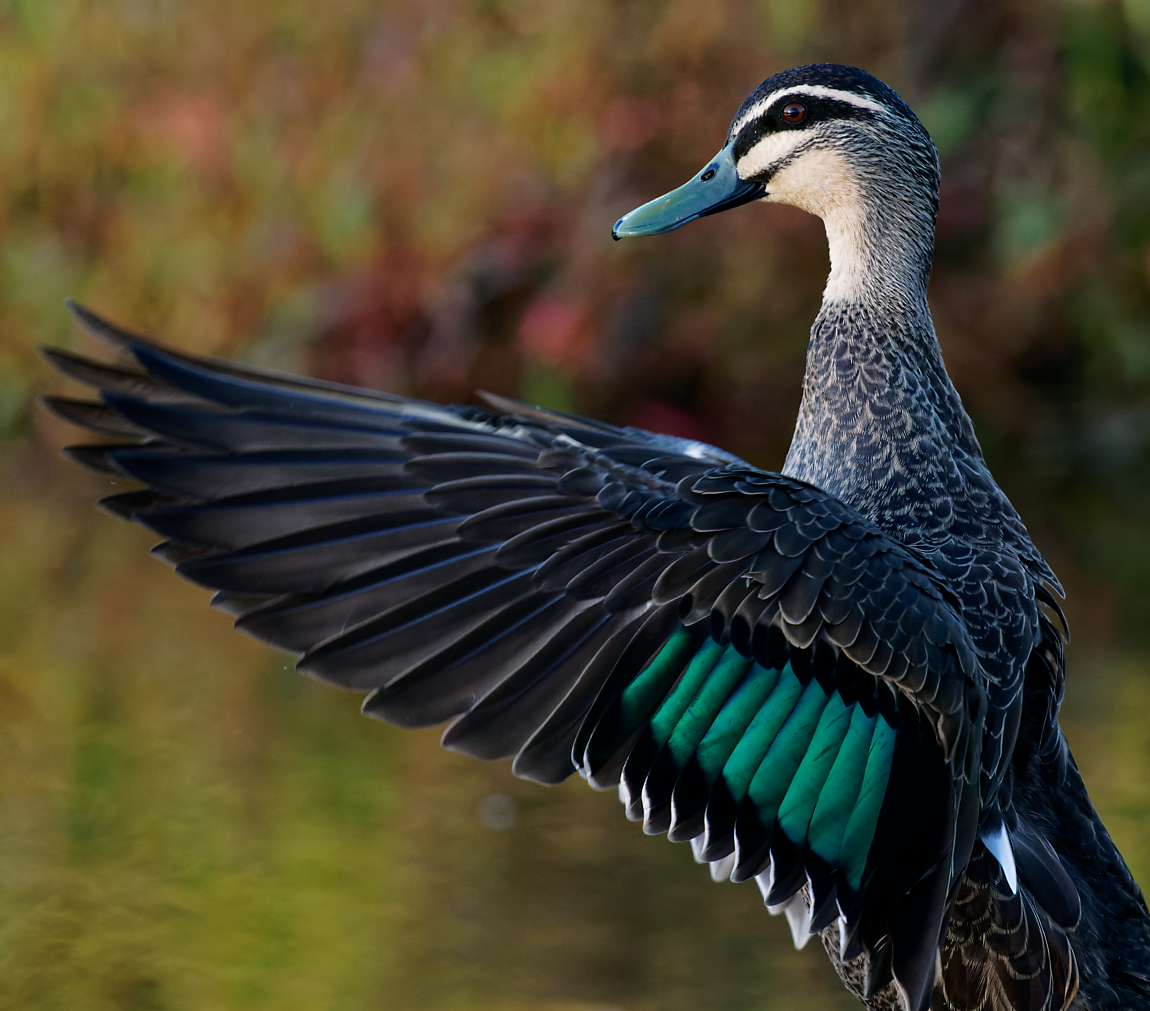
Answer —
755 665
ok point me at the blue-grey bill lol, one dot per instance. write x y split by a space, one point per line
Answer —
717 188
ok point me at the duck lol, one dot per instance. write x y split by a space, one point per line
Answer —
841 680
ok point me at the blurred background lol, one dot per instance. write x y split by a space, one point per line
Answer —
417 195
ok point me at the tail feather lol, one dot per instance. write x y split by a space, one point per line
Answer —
1003 952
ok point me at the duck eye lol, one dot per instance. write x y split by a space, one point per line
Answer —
794 113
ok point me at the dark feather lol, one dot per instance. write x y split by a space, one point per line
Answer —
601 577
725 514
584 551
540 542
454 466
473 494
500 724
128 503
231 527
500 523
205 477
463 672
251 432
94 457
94 416
313 561
434 576
111 379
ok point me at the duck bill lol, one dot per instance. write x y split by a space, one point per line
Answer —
717 188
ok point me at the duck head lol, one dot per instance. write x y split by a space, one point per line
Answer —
838 143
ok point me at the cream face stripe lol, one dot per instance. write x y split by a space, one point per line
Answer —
814 90
769 151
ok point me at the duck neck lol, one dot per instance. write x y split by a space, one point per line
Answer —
880 423
880 244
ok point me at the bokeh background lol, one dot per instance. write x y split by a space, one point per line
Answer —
417 195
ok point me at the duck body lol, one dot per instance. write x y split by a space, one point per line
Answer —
916 469
841 680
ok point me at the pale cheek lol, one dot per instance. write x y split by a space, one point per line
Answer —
819 182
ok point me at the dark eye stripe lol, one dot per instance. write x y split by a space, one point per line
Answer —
819 110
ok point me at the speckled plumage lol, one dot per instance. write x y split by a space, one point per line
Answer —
882 428
842 680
